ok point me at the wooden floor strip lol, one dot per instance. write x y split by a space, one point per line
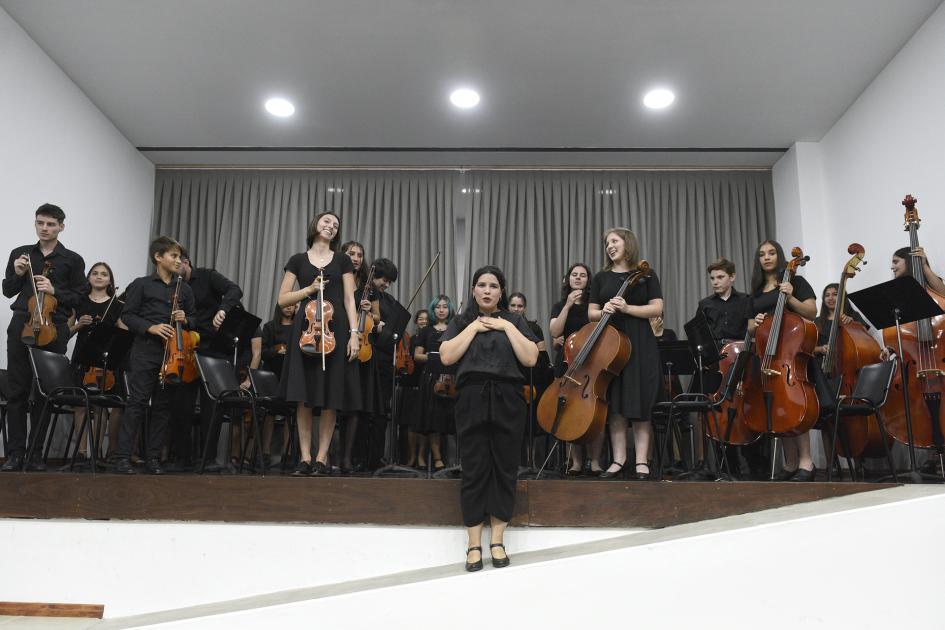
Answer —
33 609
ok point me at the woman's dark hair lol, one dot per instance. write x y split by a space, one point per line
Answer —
416 316
276 315
313 231
566 282
111 279
758 274
385 268
906 254
360 275
823 317
471 311
519 294
449 308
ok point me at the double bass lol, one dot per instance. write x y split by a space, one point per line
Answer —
40 330
574 407
849 348
923 357
180 360
778 398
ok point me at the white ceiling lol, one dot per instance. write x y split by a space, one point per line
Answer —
552 73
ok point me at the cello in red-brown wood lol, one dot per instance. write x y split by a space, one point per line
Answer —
778 397
849 348
923 356
574 407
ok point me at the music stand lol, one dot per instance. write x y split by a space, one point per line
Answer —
235 332
105 347
677 360
536 389
894 303
395 323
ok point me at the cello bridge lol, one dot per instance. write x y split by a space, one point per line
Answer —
770 372
933 373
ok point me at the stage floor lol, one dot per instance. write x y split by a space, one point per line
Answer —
376 501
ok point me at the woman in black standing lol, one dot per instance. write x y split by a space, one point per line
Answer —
634 391
568 316
436 409
488 345
303 380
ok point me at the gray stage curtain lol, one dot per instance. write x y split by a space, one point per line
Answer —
533 225
246 224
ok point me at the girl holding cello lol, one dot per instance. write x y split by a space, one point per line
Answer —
634 391
766 286
488 344
568 316
321 269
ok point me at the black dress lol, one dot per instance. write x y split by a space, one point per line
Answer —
767 301
97 310
634 391
576 319
302 377
436 412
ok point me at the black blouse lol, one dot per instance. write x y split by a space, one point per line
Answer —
767 301
490 354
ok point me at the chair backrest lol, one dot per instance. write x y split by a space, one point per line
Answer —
873 382
218 375
51 370
265 383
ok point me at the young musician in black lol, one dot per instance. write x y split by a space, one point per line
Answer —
634 391
902 266
725 308
489 345
304 381
148 313
275 341
411 405
64 279
214 296
435 417
100 306
766 287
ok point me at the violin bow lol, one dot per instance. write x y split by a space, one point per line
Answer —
321 310
423 280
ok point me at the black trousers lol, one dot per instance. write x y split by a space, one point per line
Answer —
20 375
144 386
490 422
183 403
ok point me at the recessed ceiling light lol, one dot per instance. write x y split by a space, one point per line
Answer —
659 98
280 107
464 98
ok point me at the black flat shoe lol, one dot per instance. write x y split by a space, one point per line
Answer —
320 470
13 463
477 565
641 476
498 563
123 466
804 475
304 469
573 472
611 475
153 467
786 475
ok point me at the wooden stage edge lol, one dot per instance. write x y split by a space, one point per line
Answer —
28 609
412 502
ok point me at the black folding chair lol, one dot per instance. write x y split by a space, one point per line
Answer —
223 389
55 383
265 386
869 395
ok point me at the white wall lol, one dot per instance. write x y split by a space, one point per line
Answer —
890 142
57 147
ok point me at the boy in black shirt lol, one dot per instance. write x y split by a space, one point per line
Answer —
64 280
147 313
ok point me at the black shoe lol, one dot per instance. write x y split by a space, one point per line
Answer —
611 475
13 463
320 470
477 565
641 476
573 472
304 469
123 466
212 466
153 467
804 475
498 563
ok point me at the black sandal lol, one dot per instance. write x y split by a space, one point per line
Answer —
641 476
477 565
498 563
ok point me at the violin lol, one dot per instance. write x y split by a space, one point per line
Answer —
778 398
40 330
180 360
574 407
849 348
445 386
95 377
281 348
365 324
403 357
923 357
318 339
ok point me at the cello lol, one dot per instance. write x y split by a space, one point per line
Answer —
778 398
40 330
849 348
923 356
180 362
574 407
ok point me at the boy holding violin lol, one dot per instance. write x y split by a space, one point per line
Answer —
148 313
48 268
